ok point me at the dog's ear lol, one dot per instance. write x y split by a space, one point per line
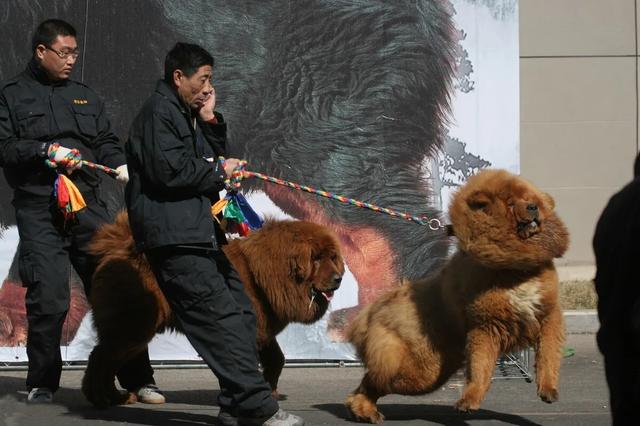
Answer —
300 262
549 201
478 200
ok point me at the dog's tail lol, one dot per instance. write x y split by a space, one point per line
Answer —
114 240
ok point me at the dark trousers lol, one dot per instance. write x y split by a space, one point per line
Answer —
213 311
46 249
623 378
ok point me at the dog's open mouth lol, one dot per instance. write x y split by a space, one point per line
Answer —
527 229
327 294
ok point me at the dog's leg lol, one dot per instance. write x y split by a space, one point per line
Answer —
362 402
549 355
482 353
98 382
272 360
92 380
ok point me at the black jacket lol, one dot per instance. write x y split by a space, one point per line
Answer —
35 112
171 184
617 281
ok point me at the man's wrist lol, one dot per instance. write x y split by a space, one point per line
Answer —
43 149
207 115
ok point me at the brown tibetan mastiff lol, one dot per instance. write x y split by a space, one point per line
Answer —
289 269
497 294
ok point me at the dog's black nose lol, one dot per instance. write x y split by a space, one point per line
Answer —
532 207
337 279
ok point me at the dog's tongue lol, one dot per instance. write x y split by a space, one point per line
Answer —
328 295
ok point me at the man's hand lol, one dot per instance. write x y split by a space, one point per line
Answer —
69 159
209 105
123 174
229 165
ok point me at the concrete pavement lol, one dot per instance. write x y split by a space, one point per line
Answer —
317 394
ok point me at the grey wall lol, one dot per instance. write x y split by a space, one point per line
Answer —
579 106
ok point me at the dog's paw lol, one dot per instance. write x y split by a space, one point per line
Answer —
465 405
374 418
362 409
549 395
122 397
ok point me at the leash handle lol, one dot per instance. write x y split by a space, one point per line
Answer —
75 157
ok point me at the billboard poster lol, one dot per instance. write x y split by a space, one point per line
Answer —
389 103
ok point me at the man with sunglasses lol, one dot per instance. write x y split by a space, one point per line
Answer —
44 115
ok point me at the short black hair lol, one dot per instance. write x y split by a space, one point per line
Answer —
186 57
47 32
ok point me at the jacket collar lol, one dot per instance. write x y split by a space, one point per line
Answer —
168 92
37 73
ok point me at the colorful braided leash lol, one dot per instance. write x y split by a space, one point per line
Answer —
232 185
73 158
240 172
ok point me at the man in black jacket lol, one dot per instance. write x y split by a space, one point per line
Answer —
617 281
171 153
43 115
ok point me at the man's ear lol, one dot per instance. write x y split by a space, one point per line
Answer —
177 78
39 53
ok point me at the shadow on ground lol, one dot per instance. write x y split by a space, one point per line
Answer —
72 403
438 414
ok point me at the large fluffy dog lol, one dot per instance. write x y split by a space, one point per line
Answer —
289 270
497 294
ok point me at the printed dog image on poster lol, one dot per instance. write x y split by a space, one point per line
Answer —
389 103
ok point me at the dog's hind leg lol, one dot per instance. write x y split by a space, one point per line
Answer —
362 402
98 382
549 355
482 353
272 360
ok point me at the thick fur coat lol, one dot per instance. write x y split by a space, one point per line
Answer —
289 269
498 293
